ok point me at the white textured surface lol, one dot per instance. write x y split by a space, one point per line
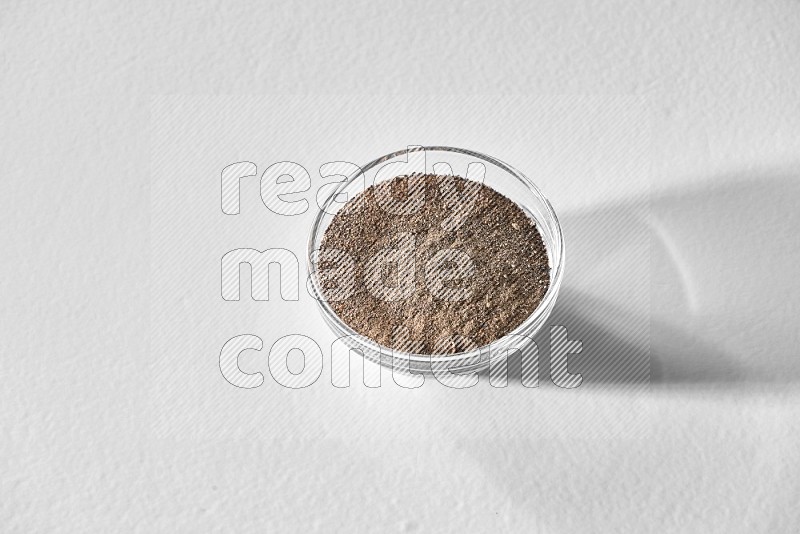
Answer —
712 447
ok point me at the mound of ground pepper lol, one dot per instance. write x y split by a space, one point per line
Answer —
472 264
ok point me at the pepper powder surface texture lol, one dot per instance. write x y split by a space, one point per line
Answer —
432 264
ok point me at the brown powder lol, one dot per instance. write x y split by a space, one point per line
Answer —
433 264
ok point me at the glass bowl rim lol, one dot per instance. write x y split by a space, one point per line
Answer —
546 303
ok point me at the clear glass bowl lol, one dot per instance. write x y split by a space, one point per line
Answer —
499 176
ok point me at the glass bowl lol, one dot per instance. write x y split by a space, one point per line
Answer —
499 176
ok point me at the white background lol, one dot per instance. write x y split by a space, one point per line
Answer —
711 447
